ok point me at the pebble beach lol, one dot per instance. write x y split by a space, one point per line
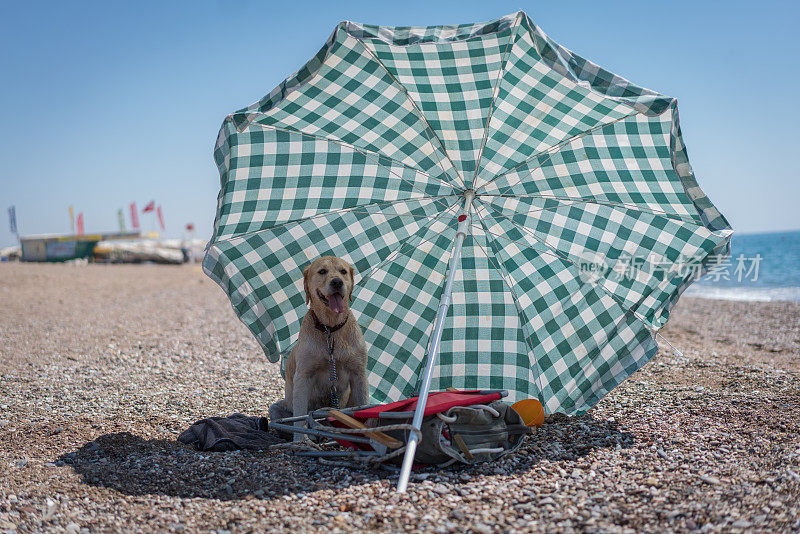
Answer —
102 366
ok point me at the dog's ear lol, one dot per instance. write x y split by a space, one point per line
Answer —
352 282
306 273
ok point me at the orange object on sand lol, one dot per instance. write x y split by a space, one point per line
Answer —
531 411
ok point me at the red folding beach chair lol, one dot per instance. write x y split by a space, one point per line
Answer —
458 426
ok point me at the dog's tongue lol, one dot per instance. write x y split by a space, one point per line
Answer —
336 303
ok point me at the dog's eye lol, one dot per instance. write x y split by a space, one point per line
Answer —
323 271
343 271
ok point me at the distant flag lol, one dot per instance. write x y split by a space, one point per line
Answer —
150 207
12 220
121 218
134 216
190 227
72 219
160 216
80 224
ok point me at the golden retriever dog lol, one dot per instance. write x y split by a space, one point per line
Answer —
328 283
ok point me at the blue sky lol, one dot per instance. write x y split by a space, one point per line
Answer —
106 103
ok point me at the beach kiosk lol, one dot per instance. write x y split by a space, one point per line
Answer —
55 247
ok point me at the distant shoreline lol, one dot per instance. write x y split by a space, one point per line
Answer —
745 294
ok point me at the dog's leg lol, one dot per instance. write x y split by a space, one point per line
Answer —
358 390
301 390
279 410
345 396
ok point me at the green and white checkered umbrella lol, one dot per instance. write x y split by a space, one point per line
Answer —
586 225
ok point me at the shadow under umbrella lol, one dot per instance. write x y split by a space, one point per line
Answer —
133 465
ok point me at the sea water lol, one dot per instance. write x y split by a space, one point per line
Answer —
761 267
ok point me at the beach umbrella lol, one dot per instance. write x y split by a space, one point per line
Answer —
518 217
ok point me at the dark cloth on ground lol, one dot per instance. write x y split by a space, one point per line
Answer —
237 431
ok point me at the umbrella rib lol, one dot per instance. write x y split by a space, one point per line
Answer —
586 200
368 153
625 309
565 258
503 274
521 312
418 113
496 93
554 149
337 212
545 252
405 241
597 346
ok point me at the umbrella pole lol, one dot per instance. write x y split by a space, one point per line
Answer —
436 338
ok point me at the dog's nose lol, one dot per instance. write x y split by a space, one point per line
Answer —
337 283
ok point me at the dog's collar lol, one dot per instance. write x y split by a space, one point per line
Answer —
325 328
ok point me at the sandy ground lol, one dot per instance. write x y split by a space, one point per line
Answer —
102 366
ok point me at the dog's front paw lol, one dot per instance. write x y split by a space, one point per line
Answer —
299 436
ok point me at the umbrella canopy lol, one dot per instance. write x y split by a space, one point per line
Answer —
586 225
